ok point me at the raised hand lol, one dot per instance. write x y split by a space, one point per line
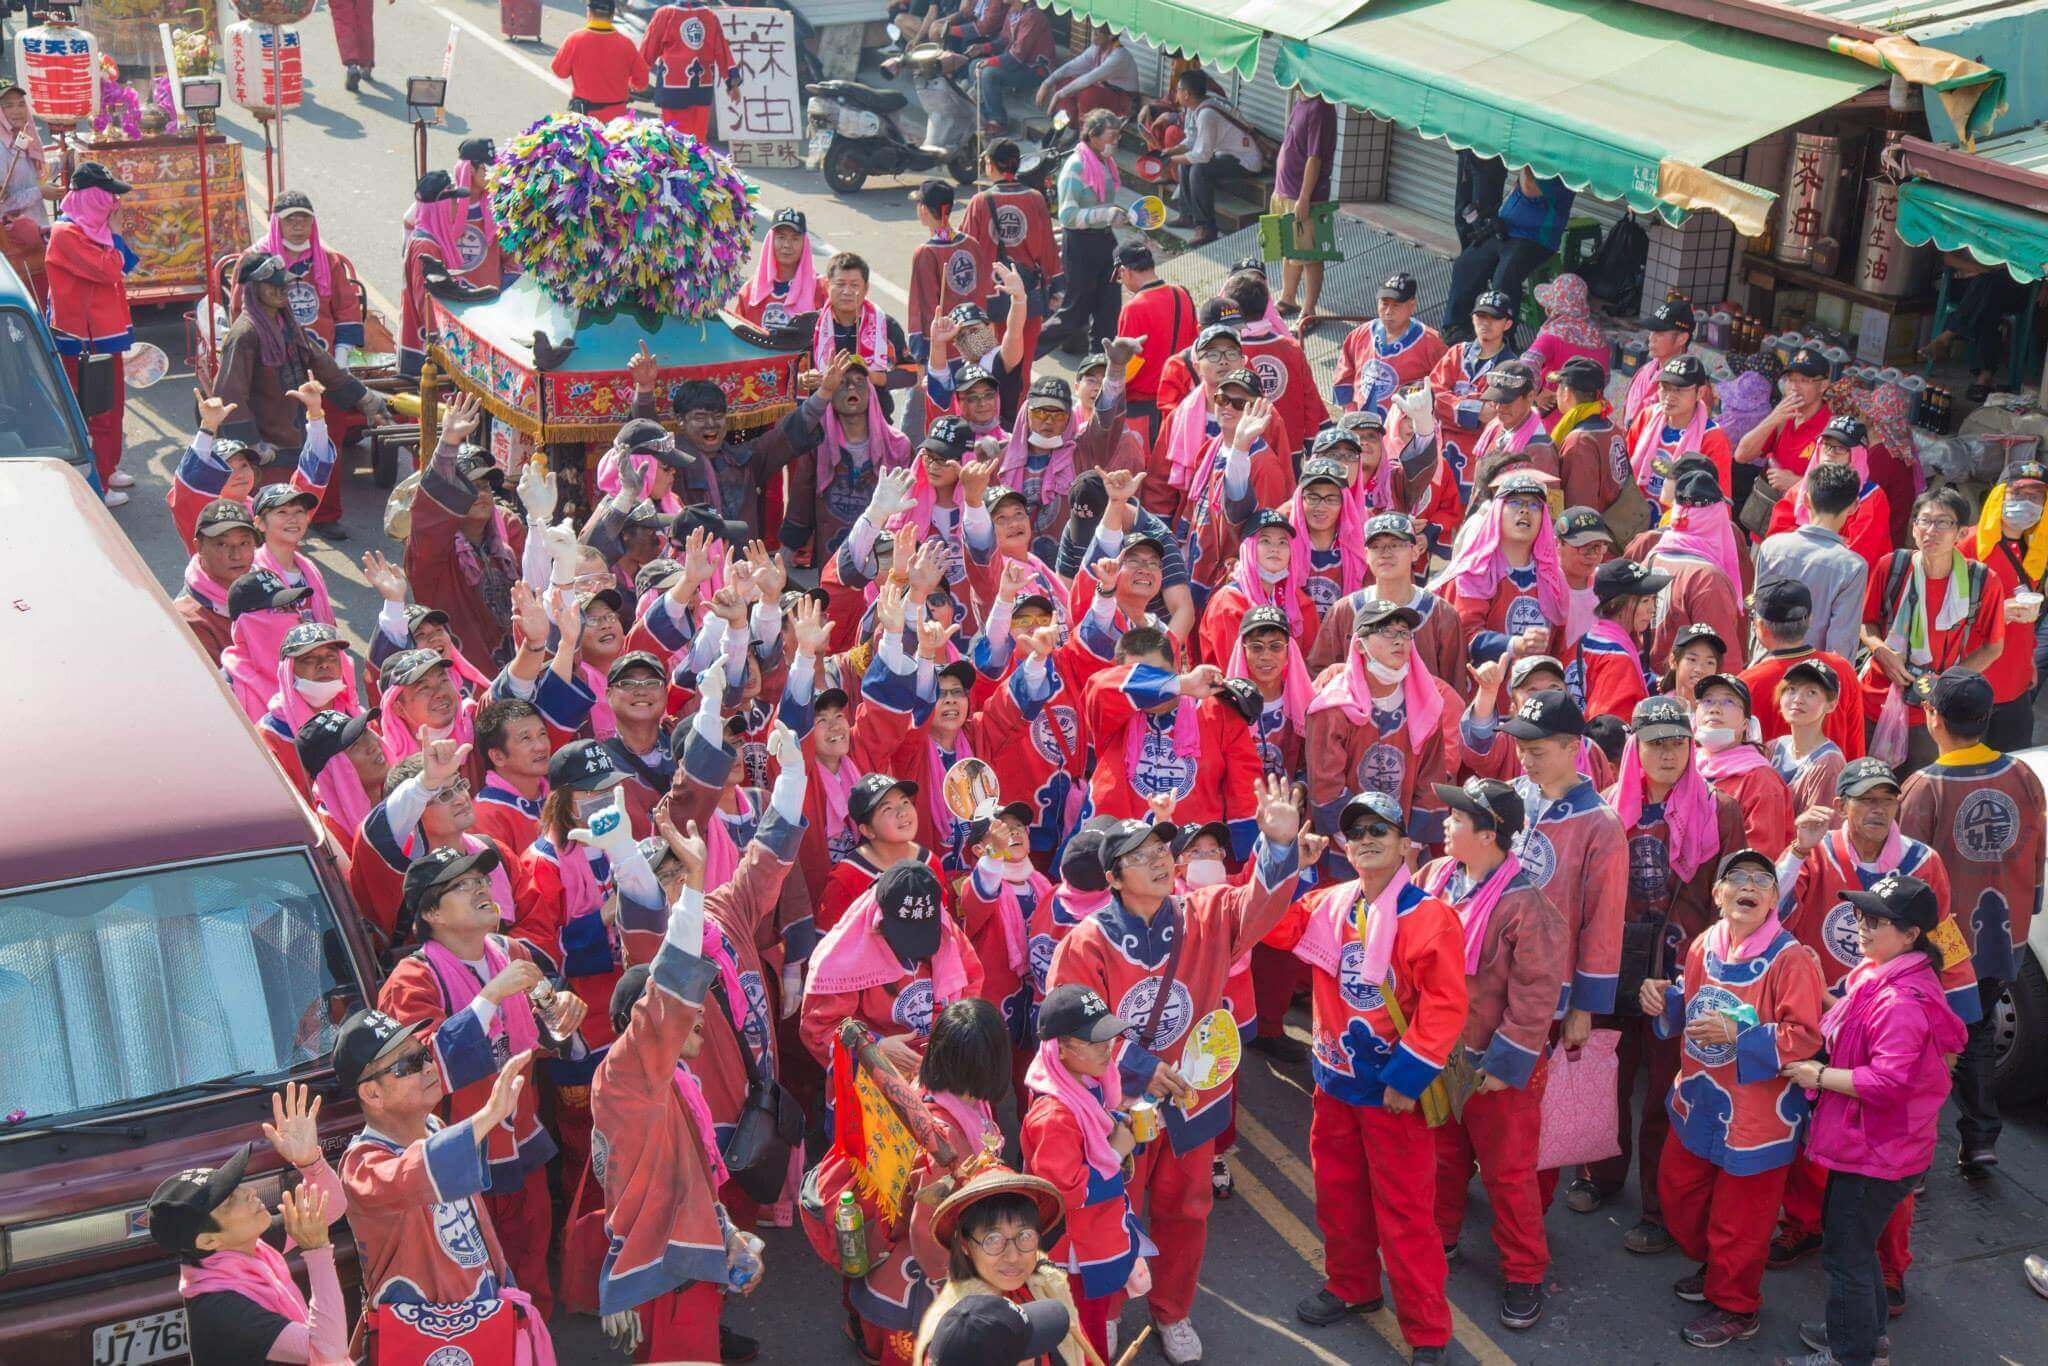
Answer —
729 605
1017 576
1119 351
834 375
889 609
569 620
807 622
530 613
504 1097
1812 826
459 418
610 829
1486 677
942 330
384 576
1122 485
537 494
632 488
308 395
975 477
891 495
696 564
926 568
1161 805
770 573
933 635
1008 280
213 412
443 760
1312 847
1042 642
1106 572
644 369
294 1128
304 1210
711 688
1419 405
1279 821
560 540
783 747
1253 424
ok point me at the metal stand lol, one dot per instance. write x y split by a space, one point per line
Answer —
199 127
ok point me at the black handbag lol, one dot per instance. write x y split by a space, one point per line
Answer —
770 1125
1642 957
95 388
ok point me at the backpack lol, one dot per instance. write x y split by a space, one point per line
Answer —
1615 275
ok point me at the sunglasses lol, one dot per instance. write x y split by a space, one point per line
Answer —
1372 830
1235 405
407 1066
458 788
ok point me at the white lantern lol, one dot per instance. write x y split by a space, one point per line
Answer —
58 64
256 66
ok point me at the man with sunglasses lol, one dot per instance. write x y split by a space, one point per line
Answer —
423 1238
426 806
479 997
1387 975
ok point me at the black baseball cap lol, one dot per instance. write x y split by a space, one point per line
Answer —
325 734
307 637
1808 362
911 901
1185 836
1265 617
1374 806
656 576
1732 683
1741 856
1695 631
440 868
437 185
1900 898
1081 859
1508 380
1660 718
1128 836
1041 602
609 597
867 795
584 766
408 667
1544 714
1782 600
224 515
1860 777
271 497
259 590
789 218
1697 489
1216 332
1484 799
1962 696
1391 524
1329 438
1845 431
695 516
1244 377
1073 1011
647 513
90 175
999 494
1398 288
1818 672
1673 315
1134 256
1267 519
1627 579
645 436
1684 369
1494 303
1583 375
1374 613
948 437
1325 470
971 375
366 1039
960 671
475 151
981 1330
1049 391
933 194
635 659
1577 525
182 1207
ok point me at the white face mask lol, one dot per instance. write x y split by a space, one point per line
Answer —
319 692
1045 443
1205 872
1382 674
1272 575
2021 516
1714 739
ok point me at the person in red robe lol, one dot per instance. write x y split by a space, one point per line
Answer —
688 58
1733 762
1388 352
1868 531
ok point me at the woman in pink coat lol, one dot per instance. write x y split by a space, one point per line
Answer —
1881 1091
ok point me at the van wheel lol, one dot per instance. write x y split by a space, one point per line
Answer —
2019 1040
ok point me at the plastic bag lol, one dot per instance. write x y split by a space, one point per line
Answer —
1888 740
1579 1105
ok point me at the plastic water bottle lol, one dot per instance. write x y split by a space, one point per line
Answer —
852 1237
745 1268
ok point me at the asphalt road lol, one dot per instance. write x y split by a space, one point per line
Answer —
1968 1303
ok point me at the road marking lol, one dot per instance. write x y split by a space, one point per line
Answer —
1468 1334
1276 1328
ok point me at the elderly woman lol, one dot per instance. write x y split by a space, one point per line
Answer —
988 1231
1880 1089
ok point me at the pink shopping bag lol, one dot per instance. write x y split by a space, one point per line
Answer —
1579 1106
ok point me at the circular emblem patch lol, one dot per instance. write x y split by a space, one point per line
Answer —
1838 932
1649 871
449 1356
961 275
1987 825
1381 768
1010 225
303 300
693 32
1055 734
1040 952
1160 769
469 248
1524 611
1376 383
1136 1007
1711 1000
913 1008
1538 856
1272 376
1358 993
774 315
461 1237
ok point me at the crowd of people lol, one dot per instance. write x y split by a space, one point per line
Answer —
1448 699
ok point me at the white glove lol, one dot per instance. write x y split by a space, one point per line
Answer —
610 831
1419 404
892 495
560 540
537 494
686 922
792 988
784 749
622 1330
711 687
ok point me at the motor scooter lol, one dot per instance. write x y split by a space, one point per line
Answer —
856 132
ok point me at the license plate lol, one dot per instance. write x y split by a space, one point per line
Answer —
820 140
134 1342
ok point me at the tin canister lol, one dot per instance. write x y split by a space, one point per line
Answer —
1145 1120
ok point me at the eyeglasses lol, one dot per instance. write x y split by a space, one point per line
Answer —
1322 500
1396 635
1873 922
1235 405
1751 877
597 616
458 788
996 1244
473 886
1371 830
1151 854
642 684
1935 524
410 1065
1221 357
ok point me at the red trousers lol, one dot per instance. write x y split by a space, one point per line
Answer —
1497 1136
1098 96
1803 1188
1276 976
1639 1050
355 32
1375 1186
525 1221
1096 1315
1177 1197
681 1325
1721 1221
695 121
104 429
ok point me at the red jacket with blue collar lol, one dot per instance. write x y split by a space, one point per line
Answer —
1213 783
88 301
1810 902
1574 850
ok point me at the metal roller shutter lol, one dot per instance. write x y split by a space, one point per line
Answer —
1259 97
1422 174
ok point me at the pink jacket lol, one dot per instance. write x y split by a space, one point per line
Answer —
1891 1036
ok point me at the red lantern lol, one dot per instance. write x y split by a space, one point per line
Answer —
58 64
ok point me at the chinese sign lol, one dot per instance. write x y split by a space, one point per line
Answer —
764 124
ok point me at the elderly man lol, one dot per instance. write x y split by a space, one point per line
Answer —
225 546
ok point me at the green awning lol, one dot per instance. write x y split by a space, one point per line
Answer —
1184 28
1996 234
1618 99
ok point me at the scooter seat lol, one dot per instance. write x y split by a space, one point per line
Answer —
862 96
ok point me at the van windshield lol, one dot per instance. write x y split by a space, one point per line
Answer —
33 400
124 987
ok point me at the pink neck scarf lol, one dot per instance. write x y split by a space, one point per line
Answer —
1650 440
401 737
250 661
1187 439
608 480
92 212
853 956
1732 762
888 449
319 607
721 855
468 175
1476 911
1246 578
1297 690
1705 533
339 789
1349 540
205 587
1610 630
1859 460
512 1020
1077 905
1642 391
1478 568
1010 911
441 223
1887 858
1497 438
1688 812
1275 322
870 338
1351 692
1058 475
261 1274
835 784
803 295
1759 939
290 706
1338 915
1859 991
971 1117
1187 735
322 271
1098 175
603 725
1048 1076
716 950
691 1093
580 891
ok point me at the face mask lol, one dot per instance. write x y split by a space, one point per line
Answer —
1714 739
1382 674
297 245
1046 443
1205 872
1272 575
2022 516
319 692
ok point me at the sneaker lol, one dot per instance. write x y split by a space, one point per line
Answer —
121 479
1787 1248
1583 1197
1422 1356
1894 1300
1718 1328
1975 1164
1814 1333
1281 1048
1323 1309
1521 1304
1692 1289
736 1346
1648 1238
115 498
1180 1342
1221 1185
352 78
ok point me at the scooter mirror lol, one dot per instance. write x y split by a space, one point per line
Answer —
1060 121
895 34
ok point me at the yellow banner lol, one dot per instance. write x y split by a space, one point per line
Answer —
884 1177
